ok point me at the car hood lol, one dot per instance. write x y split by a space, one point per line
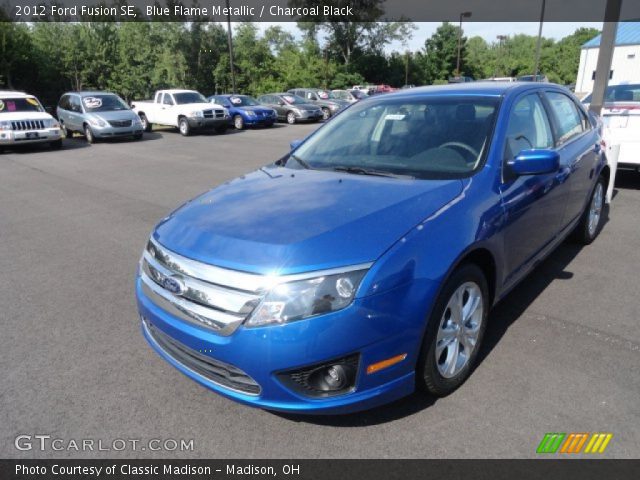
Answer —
199 106
255 108
279 220
114 115
8 116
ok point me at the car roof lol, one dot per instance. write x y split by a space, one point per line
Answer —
91 92
495 89
14 94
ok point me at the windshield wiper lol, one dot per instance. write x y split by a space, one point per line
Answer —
367 171
300 161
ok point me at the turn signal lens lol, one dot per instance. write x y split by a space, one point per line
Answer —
376 367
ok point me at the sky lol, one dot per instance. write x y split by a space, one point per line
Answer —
486 30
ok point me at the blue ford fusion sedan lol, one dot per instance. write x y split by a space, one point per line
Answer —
363 265
245 111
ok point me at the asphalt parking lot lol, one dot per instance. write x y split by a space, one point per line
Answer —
562 352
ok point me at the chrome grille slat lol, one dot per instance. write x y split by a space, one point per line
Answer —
223 323
21 125
233 301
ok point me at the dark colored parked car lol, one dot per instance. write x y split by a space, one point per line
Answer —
97 115
364 265
291 108
322 98
245 111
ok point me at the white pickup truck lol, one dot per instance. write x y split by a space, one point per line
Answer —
186 109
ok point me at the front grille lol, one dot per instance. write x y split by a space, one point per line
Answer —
120 123
27 125
218 372
216 113
208 296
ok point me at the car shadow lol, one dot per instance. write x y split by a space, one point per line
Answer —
627 180
502 316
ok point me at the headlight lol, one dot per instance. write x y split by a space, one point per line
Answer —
288 302
226 112
274 113
251 113
334 107
97 122
195 113
136 121
5 125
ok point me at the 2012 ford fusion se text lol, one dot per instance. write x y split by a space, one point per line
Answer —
363 265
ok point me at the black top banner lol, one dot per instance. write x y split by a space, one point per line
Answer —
314 10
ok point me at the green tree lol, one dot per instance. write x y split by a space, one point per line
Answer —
441 53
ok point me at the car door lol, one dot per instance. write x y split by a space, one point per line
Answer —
75 118
534 204
63 109
167 113
579 148
281 107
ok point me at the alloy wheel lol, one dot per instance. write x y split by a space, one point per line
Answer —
459 329
595 209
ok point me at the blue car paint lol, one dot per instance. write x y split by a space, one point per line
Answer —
415 231
264 116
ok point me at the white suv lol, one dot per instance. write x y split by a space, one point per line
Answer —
24 120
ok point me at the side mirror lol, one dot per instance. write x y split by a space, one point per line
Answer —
295 144
535 162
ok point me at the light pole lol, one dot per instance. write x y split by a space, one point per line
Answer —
406 68
462 15
538 44
230 41
501 38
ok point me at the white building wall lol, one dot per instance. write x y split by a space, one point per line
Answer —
625 65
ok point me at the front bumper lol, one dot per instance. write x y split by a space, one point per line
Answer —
21 137
201 122
259 121
262 353
113 132
309 115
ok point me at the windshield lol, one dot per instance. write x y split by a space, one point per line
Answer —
242 101
189 97
29 104
424 137
294 99
103 103
620 93
325 94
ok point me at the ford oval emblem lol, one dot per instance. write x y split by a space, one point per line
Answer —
174 284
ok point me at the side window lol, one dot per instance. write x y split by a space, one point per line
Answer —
74 102
311 96
528 127
167 100
570 121
63 102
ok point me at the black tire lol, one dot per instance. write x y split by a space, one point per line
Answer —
238 122
291 118
326 114
183 127
67 133
146 125
56 144
137 136
88 133
589 227
221 130
428 371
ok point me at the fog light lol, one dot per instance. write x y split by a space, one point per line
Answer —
332 378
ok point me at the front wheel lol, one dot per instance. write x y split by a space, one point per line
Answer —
88 133
183 126
326 114
238 122
66 132
146 126
454 332
291 118
591 221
